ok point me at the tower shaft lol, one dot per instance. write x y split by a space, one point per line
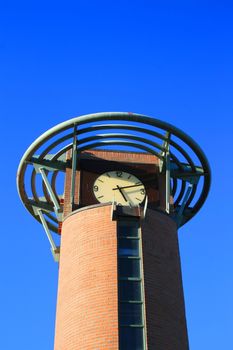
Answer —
90 311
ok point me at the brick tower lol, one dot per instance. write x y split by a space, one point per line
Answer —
116 199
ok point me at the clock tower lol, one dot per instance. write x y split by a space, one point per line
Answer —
116 200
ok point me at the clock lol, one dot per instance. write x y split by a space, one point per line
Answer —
119 187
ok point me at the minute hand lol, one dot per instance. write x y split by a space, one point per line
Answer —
118 187
127 186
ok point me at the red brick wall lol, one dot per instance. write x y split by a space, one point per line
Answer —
129 157
164 300
87 304
67 209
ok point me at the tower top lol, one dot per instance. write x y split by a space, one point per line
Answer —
181 160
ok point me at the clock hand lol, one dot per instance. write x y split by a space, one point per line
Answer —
119 188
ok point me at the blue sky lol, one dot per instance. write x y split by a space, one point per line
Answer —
170 60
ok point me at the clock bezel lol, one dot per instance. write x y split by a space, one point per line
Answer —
131 201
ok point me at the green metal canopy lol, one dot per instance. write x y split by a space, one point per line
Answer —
181 160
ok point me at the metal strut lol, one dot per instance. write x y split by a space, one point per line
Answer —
74 165
54 249
50 190
183 203
56 204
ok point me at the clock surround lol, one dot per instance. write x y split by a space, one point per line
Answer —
93 163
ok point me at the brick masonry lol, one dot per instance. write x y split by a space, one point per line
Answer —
164 300
87 306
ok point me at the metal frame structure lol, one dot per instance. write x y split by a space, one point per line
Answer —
181 160
138 278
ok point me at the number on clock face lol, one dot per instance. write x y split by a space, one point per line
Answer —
120 187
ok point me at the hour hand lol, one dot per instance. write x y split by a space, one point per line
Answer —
122 193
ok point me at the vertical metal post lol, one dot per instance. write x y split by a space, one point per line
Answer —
168 181
74 166
164 166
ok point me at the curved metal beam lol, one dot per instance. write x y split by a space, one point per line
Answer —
147 141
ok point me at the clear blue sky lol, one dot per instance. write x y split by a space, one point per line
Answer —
167 59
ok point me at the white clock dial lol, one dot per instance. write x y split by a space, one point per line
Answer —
120 187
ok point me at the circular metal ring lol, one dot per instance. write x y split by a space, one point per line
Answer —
144 133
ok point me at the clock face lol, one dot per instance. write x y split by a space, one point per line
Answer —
120 187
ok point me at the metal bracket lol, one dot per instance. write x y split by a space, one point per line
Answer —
54 249
56 254
183 203
187 173
48 163
56 204
42 204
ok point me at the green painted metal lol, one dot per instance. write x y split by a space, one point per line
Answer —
49 189
123 129
179 216
48 164
45 225
74 166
